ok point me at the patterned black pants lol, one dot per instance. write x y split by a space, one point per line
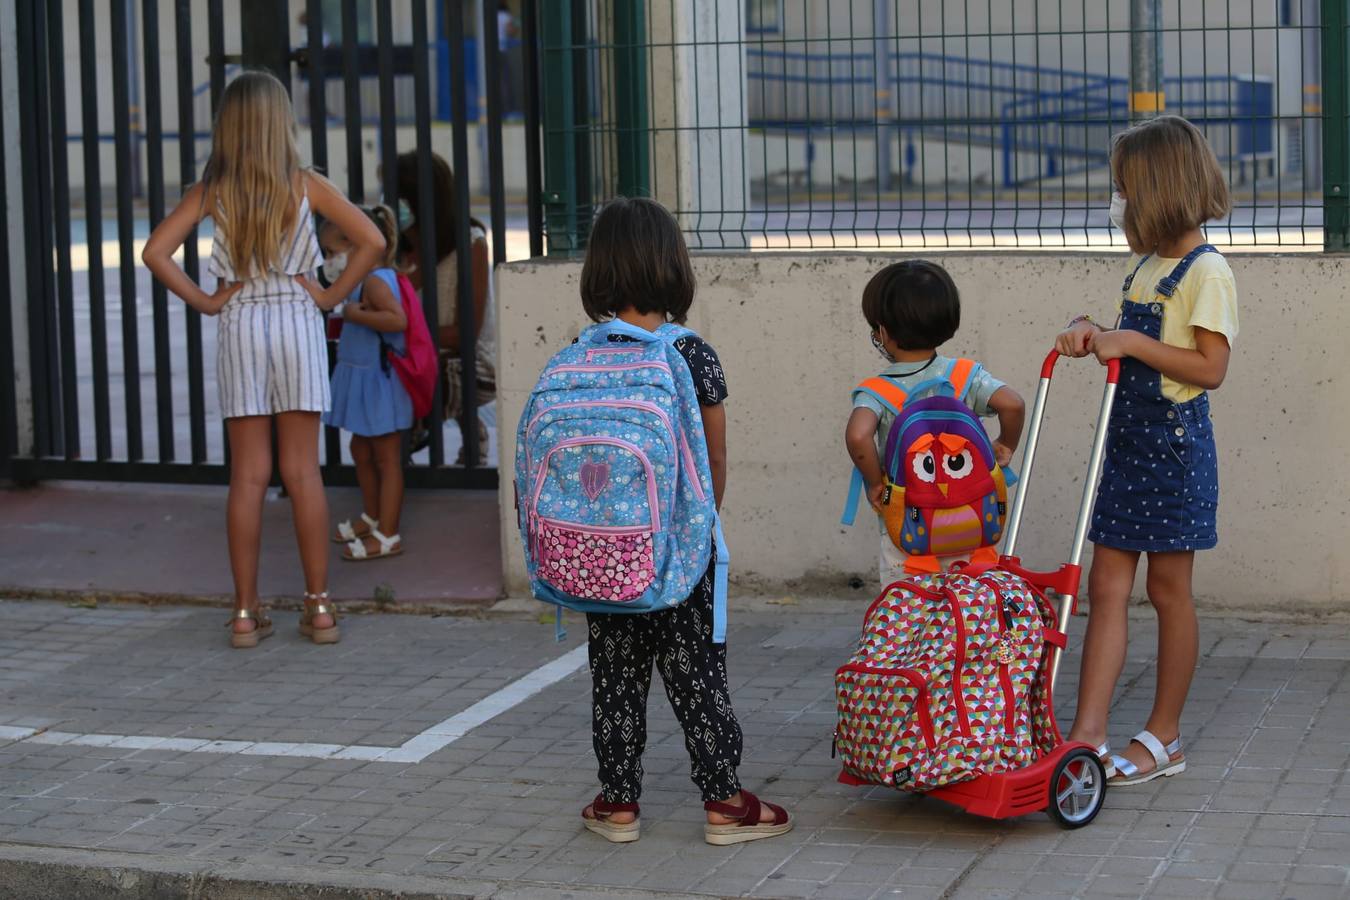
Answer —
694 669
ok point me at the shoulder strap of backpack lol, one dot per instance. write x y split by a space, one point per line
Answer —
885 391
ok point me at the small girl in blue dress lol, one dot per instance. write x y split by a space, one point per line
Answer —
1159 491
369 400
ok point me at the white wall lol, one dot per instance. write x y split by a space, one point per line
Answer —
793 343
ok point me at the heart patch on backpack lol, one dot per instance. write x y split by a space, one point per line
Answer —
594 478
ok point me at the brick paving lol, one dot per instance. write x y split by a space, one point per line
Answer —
1262 812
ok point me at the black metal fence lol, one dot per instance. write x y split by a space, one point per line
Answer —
121 375
947 123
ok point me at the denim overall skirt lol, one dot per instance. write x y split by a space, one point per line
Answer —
1159 491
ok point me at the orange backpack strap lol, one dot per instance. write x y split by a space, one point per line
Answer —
888 392
960 375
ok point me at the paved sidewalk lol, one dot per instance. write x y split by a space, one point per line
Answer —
1262 812
168 542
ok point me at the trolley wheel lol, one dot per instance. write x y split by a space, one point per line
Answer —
1077 788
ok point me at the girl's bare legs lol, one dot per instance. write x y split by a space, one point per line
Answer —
1109 584
250 472
298 459
1169 590
367 475
388 453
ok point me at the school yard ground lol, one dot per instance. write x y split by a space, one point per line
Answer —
441 755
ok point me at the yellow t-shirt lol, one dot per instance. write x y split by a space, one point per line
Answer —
1205 298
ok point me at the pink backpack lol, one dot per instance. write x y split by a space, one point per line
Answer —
418 367
947 682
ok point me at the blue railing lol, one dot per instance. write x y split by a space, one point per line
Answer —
1062 117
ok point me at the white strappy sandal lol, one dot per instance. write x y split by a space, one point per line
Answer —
1127 773
390 545
346 533
1105 757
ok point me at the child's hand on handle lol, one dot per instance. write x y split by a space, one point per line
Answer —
1075 340
1109 345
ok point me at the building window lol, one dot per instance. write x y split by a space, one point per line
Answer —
763 16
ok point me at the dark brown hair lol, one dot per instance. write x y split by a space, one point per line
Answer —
636 258
917 303
444 208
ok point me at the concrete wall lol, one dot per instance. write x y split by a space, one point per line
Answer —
793 343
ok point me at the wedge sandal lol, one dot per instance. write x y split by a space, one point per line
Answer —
318 605
1164 766
1105 757
614 832
748 827
244 640
346 533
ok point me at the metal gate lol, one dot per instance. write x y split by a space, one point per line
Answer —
111 402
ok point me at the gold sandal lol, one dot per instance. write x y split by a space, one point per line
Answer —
262 628
320 607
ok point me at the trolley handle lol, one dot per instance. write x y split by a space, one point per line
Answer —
1048 368
1029 456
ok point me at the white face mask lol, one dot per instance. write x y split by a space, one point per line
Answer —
333 267
1117 210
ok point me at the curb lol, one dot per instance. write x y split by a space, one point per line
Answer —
42 873
84 597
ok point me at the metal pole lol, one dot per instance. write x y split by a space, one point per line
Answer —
881 78
1310 18
491 125
265 37
1335 141
630 98
529 21
1146 84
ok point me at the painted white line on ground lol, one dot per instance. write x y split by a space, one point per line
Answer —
414 750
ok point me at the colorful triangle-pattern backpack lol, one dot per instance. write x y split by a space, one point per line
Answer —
945 493
947 682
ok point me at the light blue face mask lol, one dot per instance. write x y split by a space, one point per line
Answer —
405 215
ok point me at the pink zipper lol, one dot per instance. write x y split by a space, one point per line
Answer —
609 351
582 404
653 502
612 530
615 368
691 468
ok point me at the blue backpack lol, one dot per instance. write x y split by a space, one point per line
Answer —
613 488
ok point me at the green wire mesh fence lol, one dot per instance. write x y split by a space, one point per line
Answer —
933 123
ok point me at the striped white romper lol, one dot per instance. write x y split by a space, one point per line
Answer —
271 355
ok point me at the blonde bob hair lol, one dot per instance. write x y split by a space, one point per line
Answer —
1170 179
253 172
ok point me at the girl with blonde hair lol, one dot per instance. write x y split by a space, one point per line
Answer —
1159 491
271 360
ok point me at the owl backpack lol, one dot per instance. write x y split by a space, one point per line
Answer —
945 493
613 487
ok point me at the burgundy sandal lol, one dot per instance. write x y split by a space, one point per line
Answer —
618 833
748 827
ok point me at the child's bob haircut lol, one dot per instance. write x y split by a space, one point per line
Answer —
917 303
636 259
1170 179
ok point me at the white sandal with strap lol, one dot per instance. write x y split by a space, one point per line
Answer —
1105 757
390 545
1127 773
347 534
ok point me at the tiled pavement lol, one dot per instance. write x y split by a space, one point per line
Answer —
1263 811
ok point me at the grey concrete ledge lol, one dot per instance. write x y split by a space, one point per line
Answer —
41 873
